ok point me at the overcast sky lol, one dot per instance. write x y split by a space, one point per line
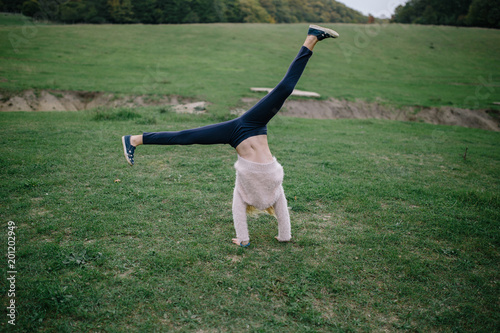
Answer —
377 8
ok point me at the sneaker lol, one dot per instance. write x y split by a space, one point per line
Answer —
322 33
128 149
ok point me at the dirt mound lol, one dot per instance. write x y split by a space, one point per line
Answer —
336 109
56 100
333 108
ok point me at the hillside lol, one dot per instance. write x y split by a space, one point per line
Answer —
390 67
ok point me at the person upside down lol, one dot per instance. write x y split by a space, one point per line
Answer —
259 176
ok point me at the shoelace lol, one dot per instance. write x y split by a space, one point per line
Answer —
131 150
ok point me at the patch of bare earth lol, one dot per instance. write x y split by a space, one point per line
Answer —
58 100
333 108
337 109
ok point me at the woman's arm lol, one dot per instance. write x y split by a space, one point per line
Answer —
283 216
240 219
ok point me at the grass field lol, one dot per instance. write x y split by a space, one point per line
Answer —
394 230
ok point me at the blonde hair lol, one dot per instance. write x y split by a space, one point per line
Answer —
254 212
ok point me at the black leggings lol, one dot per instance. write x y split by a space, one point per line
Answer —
251 123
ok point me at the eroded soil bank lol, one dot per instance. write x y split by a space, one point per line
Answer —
334 109
54 100
58 100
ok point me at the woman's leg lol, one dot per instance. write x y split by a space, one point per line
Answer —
220 133
262 112
207 135
254 121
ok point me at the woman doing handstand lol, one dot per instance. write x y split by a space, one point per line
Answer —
259 176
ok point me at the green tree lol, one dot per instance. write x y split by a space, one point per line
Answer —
13 6
449 12
30 8
232 11
253 12
95 11
284 12
146 11
174 11
404 14
121 11
484 13
428 16
72 12
203 11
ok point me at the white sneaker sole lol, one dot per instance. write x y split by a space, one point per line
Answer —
331 32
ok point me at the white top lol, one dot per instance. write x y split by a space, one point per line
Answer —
259 185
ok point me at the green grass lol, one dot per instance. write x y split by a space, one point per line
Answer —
393 229
393 64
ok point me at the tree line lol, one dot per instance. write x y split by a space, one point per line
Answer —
185 11
477 13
